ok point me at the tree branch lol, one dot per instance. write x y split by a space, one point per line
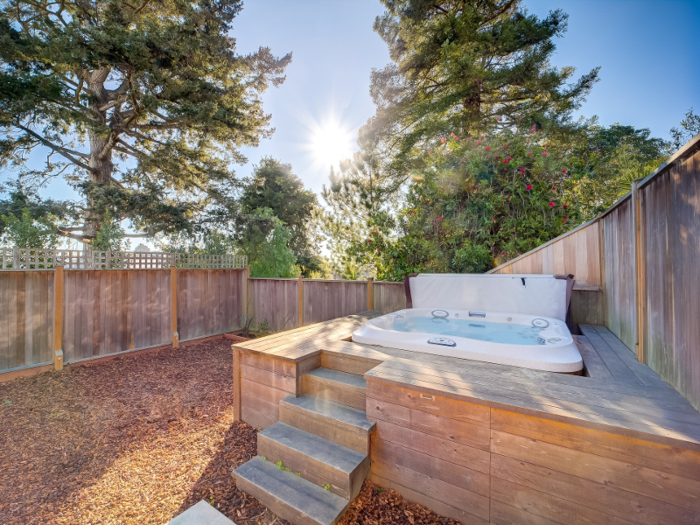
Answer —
65 152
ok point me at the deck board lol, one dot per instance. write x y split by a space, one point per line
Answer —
621 395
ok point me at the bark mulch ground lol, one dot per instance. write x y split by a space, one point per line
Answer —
139 439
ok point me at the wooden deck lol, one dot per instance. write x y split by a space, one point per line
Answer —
487 443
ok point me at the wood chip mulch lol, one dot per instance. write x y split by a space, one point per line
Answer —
138 439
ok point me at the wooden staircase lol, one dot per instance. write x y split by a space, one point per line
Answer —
312 463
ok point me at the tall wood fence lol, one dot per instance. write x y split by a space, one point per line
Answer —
96 313
279 302
93 313
637 268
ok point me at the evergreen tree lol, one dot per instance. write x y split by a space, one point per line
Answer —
141 105
465 66
275 187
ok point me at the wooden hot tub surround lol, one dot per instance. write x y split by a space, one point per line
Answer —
478 442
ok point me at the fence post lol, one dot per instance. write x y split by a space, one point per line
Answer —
640 270
301 301
370 293
236 383
58 318
173 306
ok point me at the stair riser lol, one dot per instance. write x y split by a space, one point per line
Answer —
277 506
345 485
350 364
345 394
324 427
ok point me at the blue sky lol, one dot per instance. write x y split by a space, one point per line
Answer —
647 52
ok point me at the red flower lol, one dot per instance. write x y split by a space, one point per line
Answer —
563 221
478 143
522 170
452 134
443 139
508 198
529 154
554 188
368 240
563 171
499 119
529 187
430 152
503 253
544 153
551 204
413 211
505 161
510 158
439 218
493 220
533 128
488 148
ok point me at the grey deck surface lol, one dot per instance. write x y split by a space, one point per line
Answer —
342 413
621 395
201 514
332 454
293 491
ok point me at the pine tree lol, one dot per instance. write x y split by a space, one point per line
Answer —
141 105
465 66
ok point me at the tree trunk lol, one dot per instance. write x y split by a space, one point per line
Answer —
101 165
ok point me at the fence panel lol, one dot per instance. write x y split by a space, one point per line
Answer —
620 273
209 302
26 315
389 297
107 312
275 301
325 300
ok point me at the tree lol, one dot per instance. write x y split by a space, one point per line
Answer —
27 232
142 106
266 244
477 203
275 187
47 212
358 197
468 67
690 126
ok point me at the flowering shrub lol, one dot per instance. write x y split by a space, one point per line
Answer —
476 203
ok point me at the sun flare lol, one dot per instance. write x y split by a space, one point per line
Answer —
331 142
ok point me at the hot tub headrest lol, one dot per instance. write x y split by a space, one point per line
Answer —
543 295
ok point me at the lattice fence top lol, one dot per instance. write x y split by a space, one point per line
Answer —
29 259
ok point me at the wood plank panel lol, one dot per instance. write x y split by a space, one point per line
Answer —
325 300
274 301
210 302
460 432
389 297
264 377
606 499
26 319
670 488
668 460
258 412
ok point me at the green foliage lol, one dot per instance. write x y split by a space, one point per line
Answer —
690 126
275 187
28 232
265 242
142 106
467 66
479 201
110 236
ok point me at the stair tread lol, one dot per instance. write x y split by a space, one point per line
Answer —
307 498
330 409
318 448
330 374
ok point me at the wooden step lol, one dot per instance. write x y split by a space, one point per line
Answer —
337 386
318 460
341 424
289 496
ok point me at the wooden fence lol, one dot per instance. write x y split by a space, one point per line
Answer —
279 301
637 268
101 312
85 314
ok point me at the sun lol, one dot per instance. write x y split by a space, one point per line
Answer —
331 142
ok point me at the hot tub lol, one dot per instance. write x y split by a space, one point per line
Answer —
540 343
